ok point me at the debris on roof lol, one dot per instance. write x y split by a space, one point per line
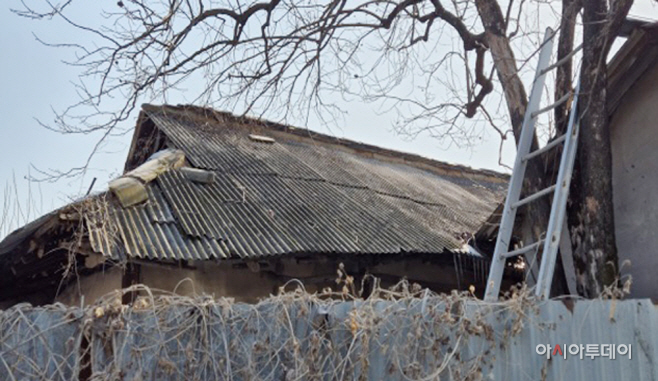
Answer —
261 139
199 175
130 188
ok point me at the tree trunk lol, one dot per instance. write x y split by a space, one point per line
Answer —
591 213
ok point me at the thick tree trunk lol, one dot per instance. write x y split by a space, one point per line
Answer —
591 214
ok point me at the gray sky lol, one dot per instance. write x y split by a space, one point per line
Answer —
33 79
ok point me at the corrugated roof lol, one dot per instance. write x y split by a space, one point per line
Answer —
296 196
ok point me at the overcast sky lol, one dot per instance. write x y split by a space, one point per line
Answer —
33 79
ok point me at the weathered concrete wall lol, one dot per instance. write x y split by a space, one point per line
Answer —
634 128
91 287
251 281
256 281
218 280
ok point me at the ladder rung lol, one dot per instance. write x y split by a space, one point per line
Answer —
545 148
562 60
522 250
564 98
534 196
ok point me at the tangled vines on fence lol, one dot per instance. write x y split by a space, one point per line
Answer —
403 333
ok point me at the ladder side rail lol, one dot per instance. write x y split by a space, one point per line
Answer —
518 173
559 207
566 253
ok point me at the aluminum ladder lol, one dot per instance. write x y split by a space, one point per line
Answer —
559 190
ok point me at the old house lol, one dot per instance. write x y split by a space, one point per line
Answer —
247 206
238 207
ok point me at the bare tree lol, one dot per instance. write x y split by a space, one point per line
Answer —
285 57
